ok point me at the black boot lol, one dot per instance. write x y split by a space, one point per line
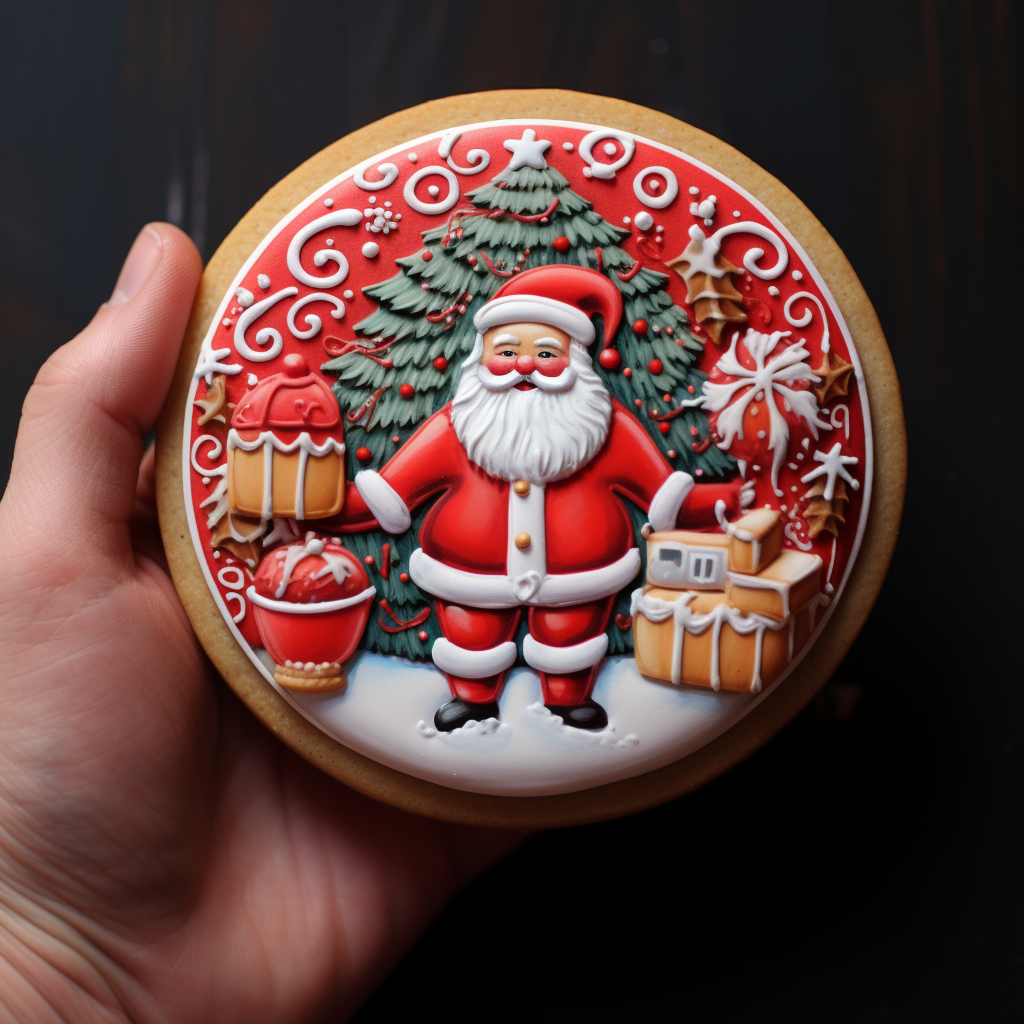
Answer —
455 713
588 715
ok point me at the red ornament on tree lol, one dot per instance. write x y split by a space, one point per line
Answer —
640 326
609 358
407 391
363 454
440 364
561 244
655 366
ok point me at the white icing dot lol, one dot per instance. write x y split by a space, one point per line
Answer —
783 508
348 293
372 199
793 488
773 291
413 158
694 191
263 281
797 275
625 220
609 148
244 297
587 172
829 588
328 202
761 433
567 146
206 479
370 250
226 322
216 554
736 213
432 190
330 241
253 380
387 202
644 221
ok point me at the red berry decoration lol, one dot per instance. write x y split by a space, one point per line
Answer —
428 256
364 454
627 372
561 243
655 366
440 364
609 358
640 326
424 635
407 391
368 559
404 577
664 427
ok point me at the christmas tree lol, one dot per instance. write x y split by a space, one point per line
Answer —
407 366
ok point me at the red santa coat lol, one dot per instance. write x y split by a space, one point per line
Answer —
579 541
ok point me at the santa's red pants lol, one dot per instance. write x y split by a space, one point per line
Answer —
478 629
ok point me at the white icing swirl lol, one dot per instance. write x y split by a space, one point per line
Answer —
264 336
656 202
442 205
337 218
314 322
478 158
390 172
602 170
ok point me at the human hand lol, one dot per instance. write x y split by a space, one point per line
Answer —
162 856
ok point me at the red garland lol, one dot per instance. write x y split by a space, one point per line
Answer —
599 258
366 409
631 273
492 268
336 347
385 561
400 624
458 216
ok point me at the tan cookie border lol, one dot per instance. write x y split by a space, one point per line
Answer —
617 798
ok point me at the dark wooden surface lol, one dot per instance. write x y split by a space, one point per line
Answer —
867 864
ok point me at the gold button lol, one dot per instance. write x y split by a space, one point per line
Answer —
522 488
523 539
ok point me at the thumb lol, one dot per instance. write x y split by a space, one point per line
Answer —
76 458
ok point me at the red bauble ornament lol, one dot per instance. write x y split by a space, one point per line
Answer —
424 635
655 366
664 427
440 364
363 454
561 243
369 559
640 326
427 256
404 577
609 358
407 391
627 372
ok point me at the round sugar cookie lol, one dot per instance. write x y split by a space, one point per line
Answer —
532 458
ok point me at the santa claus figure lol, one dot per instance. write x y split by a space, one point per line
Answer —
527 468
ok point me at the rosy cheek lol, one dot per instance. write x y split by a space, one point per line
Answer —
552 367
500 365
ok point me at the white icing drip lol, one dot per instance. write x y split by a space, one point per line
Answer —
804 320
843 421
240 614
266 334
478 158
270 443
685 620
337 566
831 564
431 208
337 218
600 170
769 376
314 322
389 172
294 555
219 496
833 466
656 202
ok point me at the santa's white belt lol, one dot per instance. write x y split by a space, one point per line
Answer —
483 590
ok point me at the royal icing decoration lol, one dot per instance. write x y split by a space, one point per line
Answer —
544 488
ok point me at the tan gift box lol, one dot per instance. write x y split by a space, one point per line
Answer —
788 583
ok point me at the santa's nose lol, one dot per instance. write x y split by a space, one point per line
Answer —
525 365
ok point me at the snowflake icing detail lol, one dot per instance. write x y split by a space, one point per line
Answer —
769 375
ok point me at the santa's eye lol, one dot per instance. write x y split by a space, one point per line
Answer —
545 355
508 352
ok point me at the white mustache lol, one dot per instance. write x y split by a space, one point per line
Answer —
504 381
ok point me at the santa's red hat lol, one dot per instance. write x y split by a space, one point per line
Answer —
561 295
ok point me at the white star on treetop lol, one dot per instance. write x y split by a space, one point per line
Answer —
832 465
528 151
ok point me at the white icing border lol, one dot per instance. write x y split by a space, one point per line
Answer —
315 197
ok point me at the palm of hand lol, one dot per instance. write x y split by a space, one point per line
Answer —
156 842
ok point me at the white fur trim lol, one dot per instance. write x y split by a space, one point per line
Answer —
480 590
535 309
564 659
668 500
460 661
383 501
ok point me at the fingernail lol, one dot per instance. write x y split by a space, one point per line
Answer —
141 262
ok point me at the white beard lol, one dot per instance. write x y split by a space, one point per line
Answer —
536 435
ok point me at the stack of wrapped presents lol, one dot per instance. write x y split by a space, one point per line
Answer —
725 610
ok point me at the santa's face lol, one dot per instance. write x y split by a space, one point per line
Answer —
530 405
526 349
